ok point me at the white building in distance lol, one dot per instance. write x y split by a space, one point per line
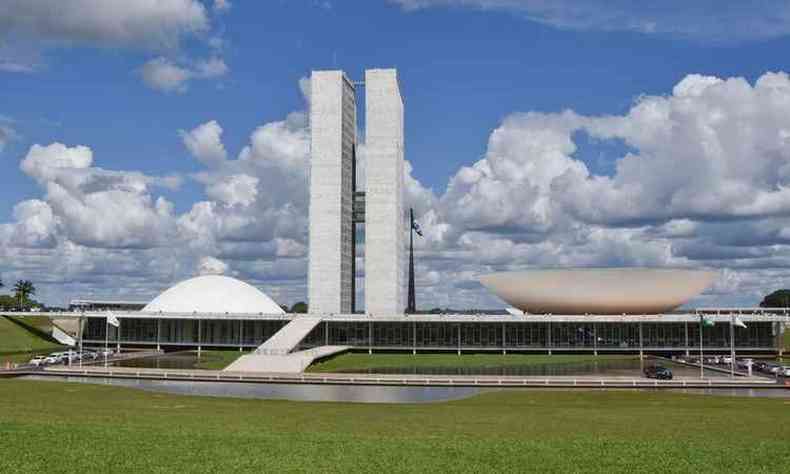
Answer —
336 203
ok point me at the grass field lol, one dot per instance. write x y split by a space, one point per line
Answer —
70 427
19 339
363 361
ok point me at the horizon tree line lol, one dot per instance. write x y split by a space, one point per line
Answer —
23 290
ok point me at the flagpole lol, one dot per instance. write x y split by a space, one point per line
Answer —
106 339
701 372
79 330
732 345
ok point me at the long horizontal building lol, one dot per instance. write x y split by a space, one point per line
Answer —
669 333
215 311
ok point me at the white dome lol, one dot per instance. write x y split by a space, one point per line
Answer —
213 294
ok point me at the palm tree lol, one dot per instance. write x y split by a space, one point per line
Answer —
23 289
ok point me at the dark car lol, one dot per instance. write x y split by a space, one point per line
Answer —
658 372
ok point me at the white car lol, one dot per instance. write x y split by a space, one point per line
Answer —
52 359
89 355
37 361
726 360
784 371
744 363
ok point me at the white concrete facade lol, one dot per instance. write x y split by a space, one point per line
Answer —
385 228
333 141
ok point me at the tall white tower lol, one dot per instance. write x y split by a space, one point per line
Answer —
333 134
385 223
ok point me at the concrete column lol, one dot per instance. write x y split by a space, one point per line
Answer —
504 340
548 336
459 338
326 333
241 335
158 333
414 337
370 337
199 336
687 338
641 353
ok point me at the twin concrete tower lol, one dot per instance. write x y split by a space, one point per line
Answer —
337 205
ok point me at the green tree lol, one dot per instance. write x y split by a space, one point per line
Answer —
777 299
23 289
300 307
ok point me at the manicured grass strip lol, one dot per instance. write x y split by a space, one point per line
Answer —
363 361
217 360
19 336
70 427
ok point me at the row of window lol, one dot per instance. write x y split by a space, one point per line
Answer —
438 335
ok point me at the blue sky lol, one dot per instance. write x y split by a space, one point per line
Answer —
464 68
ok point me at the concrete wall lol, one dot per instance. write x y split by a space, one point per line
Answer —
333 138
385 277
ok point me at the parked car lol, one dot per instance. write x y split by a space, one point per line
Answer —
758 365
658 372
37 361
50 359
744 363
726 360
784 371
87 355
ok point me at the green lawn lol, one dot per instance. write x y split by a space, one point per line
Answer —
70 427
23 337
364 361
217 360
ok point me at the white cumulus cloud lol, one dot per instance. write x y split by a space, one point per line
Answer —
714 20
211 266
165 75
204 142
160 24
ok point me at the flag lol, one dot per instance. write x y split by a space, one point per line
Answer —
738 322
416 227
111 319
706 322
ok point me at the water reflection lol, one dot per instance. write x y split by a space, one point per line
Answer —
618 367
628 367
296 392
177 360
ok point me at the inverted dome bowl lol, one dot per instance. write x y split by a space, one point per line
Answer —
599 290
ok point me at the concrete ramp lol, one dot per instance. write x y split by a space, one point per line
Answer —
62 337
295 362
287 338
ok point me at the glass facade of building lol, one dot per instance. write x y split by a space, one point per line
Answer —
443 335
